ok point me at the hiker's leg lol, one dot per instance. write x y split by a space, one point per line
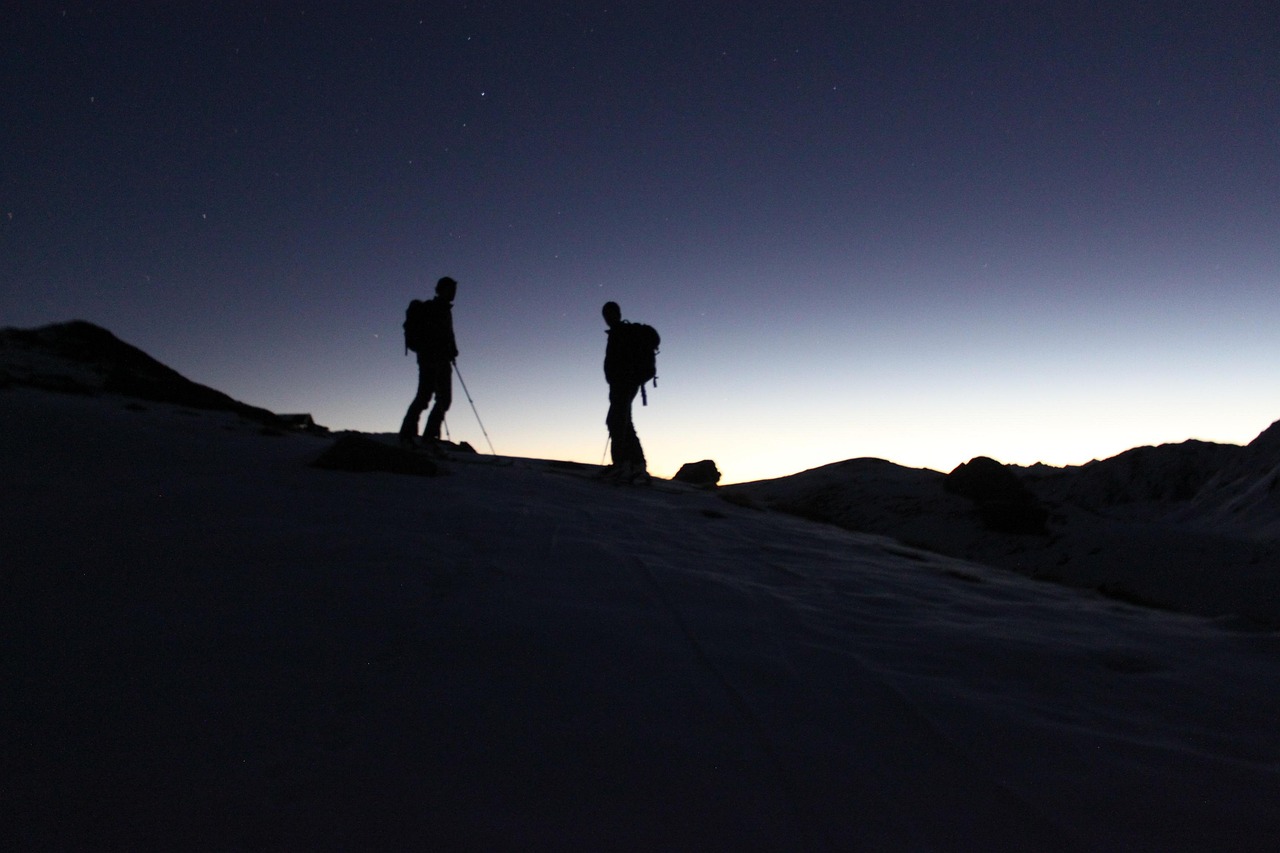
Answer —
622 432
409 427
442 385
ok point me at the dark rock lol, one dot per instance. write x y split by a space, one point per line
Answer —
355 452
1004 504
301 423
983 478
704 473
458 447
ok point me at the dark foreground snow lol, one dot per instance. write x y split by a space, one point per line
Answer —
208 644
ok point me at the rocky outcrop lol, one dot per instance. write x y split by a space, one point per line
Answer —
704 473
1004 504
355 452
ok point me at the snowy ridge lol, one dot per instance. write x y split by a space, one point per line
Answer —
1138 480
1192 527
209 643
1243 497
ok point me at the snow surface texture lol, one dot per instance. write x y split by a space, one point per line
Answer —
208 643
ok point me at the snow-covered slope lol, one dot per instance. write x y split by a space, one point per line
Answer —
1243 497
1192 527
1143 481
210 644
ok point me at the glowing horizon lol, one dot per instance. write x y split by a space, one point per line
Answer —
860 232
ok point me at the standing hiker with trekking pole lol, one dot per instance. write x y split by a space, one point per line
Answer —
428 331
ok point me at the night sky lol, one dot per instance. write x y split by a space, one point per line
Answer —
921 231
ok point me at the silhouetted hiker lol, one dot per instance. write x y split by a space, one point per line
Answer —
428 331
628 364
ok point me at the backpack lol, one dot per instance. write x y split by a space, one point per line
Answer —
640 343
415 326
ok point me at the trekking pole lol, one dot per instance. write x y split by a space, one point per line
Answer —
605 452
473 408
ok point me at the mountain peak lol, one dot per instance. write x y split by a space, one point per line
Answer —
81 357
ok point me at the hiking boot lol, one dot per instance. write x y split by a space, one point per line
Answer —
637 475
629 472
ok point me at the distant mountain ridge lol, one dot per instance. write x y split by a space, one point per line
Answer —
1206 516
1243 495
1163 474
1228 489
1225 488
81 357
1192 527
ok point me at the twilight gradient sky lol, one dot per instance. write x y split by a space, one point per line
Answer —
1041 231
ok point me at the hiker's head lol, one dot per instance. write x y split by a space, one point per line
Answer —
612 314
446 288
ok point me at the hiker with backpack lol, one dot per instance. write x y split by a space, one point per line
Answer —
428 331
629 362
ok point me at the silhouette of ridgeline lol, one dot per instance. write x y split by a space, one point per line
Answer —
79 357
1244 494
1191 527
1228 488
